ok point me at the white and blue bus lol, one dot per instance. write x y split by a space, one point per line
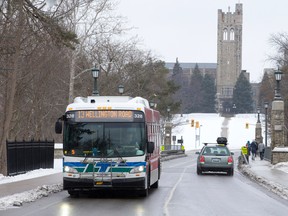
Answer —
97 150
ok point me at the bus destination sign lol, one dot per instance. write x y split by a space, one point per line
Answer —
105 115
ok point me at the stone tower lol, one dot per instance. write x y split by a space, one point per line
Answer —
229 55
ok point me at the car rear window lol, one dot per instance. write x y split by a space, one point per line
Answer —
216 150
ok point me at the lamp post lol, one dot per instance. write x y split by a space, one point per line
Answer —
258 115
168 112
278 77
234 108
278 130
266 119
95 74
258 128
121 89
168 130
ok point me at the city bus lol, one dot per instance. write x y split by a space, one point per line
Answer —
97 150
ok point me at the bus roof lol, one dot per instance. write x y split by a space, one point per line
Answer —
108 102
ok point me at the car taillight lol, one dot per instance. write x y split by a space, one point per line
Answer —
202 159
230 160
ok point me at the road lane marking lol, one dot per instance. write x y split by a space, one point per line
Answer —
165 210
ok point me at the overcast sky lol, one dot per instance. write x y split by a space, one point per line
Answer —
187 29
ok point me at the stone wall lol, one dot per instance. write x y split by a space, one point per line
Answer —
279 156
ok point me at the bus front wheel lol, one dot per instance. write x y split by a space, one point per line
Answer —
73 193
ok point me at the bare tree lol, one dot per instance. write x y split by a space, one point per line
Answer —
279 41
90 20
24 20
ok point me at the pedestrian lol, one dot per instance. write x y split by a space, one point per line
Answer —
248 145
261 149
245 153
254 148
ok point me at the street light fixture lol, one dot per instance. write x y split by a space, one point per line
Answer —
121 89
278 77
152 104
95 73
266 104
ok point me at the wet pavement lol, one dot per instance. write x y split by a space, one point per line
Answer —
261 171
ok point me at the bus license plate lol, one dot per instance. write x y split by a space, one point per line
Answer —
99 183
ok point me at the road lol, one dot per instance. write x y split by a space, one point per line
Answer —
181 192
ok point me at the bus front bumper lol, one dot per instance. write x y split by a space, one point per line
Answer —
90 184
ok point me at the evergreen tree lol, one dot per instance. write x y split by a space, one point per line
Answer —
242 95
177 69
209 94
196 100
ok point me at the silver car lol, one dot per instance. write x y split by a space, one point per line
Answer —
215 157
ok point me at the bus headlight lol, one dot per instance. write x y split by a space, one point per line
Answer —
138 169
70 169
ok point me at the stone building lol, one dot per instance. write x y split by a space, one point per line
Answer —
229 55
227 69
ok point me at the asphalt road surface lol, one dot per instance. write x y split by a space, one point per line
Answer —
181 192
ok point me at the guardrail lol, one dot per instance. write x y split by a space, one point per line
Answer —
172 149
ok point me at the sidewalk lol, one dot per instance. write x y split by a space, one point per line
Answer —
267 175
8 189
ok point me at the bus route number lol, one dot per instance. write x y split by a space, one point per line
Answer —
70 115
138 116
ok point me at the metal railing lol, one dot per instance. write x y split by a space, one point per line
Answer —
171 149
24 156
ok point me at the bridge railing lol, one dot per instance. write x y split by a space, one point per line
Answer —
172 149
24 156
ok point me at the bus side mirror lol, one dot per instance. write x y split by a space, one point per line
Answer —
151 147
58 126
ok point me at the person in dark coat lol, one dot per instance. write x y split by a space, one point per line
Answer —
261 149
248 145
254 148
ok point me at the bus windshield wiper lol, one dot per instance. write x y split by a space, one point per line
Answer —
116 151
86 158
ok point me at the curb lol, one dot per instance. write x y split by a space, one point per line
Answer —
271 186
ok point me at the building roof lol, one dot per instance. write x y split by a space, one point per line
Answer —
188 65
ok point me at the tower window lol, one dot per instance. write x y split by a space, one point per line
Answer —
232 34
225 34
227 92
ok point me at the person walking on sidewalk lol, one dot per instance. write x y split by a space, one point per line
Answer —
248 145
245 153
261 149
254 148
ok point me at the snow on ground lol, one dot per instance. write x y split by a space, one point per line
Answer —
281 166
31 195
33 174
211 127
263 180
16 200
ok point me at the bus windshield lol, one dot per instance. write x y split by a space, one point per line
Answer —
96 139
